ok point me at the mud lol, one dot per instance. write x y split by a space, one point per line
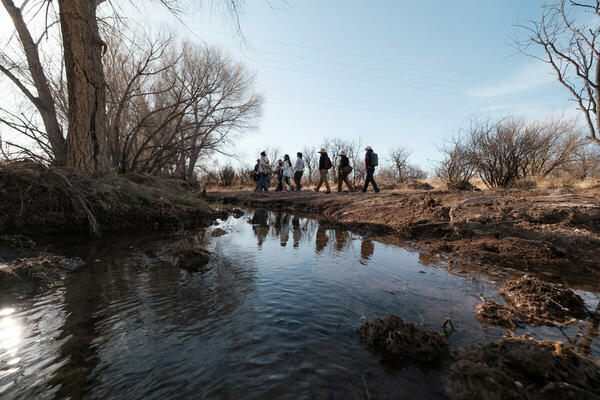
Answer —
543 303
399 343
31 275
522 368
554 234
36 200
185 253
217 232
492 313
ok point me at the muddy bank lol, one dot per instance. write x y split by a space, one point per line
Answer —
399 343
522 368
36 200
32 275
555 234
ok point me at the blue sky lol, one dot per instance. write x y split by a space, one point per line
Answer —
395 72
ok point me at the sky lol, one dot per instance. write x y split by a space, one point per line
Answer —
397 73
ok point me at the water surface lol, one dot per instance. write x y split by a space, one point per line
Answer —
273 315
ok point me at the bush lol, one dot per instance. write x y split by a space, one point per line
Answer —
226 175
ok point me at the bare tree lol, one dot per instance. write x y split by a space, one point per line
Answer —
309 153
569 42
399 159
456 167
32 77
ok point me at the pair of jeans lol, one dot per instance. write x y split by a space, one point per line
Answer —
263 182
286 180
370 172
323 180
297 179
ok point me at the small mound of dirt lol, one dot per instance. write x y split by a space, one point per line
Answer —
462 185
217 232
417 185
237 213
33 274
399 343
493 313
18 242
180 254
522 368
541 303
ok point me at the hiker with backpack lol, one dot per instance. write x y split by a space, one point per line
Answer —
298 171
344 170
371 161
324 167
264 170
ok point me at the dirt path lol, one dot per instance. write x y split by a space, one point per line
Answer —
555 234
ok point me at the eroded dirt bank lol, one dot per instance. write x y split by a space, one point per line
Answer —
554 234
37 200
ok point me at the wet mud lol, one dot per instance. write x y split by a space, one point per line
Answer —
522 368
554 234
399 343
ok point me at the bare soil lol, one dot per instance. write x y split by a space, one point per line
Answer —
522 368
31 275
36 200
552 233
490 312
399 343
540 303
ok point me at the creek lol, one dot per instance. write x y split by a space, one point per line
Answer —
274 315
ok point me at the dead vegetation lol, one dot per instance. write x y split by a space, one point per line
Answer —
522 368
400 343
540 302
28 275
37 200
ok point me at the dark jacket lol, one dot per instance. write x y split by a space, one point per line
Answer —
322 161
368 159
344 162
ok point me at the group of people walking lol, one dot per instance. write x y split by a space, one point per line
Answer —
284 172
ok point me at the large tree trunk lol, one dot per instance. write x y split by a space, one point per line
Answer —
44 101
87 147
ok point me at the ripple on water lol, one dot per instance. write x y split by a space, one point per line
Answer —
274 315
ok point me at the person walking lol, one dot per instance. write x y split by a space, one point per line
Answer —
324 166
371 161
264 170
344 170
298 171
286 178
256 176
279 175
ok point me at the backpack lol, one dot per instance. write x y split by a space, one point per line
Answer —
267 169
327 163
374 159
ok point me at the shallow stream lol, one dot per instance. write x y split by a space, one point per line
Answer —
274 315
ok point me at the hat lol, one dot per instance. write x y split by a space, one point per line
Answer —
322 150
280 161
368 148
342 153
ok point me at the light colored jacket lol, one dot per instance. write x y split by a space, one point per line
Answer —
299 165
287 168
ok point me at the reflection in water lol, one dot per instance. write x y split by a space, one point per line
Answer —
366 251
10 333
322 239
341 239
246 326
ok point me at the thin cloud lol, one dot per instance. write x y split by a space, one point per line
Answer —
532 76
